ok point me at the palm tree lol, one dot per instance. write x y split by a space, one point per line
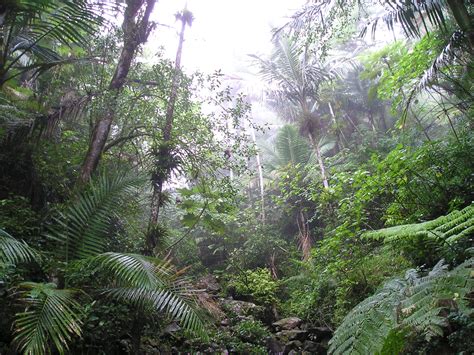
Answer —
53 315
414 16
288 148
292 150
321 19
298 77
28 28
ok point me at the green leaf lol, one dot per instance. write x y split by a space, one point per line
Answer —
84 224
13 251
189 220
51 315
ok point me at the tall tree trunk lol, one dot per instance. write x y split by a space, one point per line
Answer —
135 32
463 19
165 149
304 235
319 157
136 331
260 176
336 128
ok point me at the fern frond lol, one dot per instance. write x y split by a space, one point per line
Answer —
414 303
428 296
365 328
453 228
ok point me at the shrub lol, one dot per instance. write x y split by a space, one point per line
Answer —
252 331
258 284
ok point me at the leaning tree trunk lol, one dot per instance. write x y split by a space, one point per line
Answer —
319 157
135 32
162 171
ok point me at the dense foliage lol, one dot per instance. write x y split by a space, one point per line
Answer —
145 209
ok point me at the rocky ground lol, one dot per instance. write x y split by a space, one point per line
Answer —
243 327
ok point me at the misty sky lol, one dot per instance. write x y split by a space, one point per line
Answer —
223 32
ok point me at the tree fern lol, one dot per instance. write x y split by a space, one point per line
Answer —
413 303
446 231
13 251
364 329
428 296
82 227
50 315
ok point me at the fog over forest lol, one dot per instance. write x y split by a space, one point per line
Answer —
236 177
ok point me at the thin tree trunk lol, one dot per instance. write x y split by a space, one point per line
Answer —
260 176
304 235
164 151
136 331
337 130
134 33
319 157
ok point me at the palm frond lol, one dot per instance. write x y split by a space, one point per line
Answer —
82 227
152 284
13 251
448 54
408 14
68 22
50 315
295 74
31 27
452 53
291 148
134 269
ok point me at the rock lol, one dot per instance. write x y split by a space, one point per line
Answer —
296 344
274 346
292 334
313 347
208 283
288 323
209 303
171 328
292 347
320 332
242 308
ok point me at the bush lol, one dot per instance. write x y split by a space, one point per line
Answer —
258 285
252 331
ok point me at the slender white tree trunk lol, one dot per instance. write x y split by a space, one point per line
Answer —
319 157
260 175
